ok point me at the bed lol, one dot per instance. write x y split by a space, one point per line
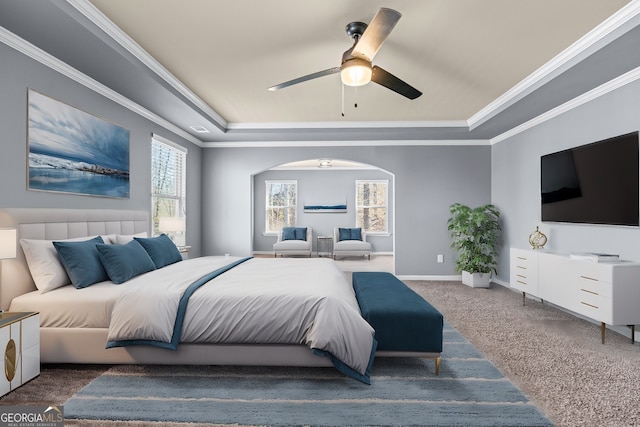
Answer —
77 324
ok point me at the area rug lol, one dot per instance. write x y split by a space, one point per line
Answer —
470 391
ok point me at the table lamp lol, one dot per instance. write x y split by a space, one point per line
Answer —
7 249
172 225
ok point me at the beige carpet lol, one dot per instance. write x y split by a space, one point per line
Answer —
556 359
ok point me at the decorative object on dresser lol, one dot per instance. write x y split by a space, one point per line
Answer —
537 239
607 292
474 234
20 338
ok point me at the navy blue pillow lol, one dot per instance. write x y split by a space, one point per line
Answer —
289 233
124 262
161 250
349 234
301 233
82 261
294 233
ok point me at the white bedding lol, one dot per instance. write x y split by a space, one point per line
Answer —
261 301
68 307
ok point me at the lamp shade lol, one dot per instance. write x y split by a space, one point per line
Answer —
171 224
356 72
7 243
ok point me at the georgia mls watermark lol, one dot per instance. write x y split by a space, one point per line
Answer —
31 416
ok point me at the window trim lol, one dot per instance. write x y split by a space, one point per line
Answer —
181 190
268 232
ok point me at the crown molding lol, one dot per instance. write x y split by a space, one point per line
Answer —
348 125
44 58
112 30
617 24
382 143
603 89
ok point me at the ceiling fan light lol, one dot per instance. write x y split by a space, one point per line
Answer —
355 72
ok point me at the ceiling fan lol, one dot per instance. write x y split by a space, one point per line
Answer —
356 68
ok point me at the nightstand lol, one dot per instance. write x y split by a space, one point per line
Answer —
20 342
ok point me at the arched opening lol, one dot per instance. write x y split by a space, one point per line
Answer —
329 181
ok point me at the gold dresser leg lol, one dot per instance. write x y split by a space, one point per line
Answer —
437 365
603 327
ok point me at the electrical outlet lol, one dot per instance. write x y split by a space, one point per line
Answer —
440 258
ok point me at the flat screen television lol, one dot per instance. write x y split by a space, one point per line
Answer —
595 183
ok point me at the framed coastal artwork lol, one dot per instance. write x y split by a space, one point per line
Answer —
71 151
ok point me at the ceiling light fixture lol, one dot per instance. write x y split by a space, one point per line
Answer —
324 163
355 72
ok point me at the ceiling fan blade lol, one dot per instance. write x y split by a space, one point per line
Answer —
388 80
376 33
305 78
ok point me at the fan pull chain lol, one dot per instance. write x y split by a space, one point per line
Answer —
355 96
342 99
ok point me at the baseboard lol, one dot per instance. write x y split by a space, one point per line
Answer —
452 278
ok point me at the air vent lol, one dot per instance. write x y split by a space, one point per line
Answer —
200 129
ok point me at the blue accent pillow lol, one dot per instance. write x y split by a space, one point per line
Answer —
289 233
81 261
349 234
301 233
124 262
294 233
161 250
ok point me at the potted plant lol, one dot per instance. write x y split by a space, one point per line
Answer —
475 234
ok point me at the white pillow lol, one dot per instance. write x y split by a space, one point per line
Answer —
123 239
44 264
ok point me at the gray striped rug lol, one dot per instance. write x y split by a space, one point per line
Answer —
470 391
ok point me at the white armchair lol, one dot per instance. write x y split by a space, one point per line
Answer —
293 246
351 246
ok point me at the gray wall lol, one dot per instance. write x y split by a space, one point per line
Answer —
18 73
320 186
427 180
516 177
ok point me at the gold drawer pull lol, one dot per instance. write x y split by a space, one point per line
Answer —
588 291
521 257
520 275
590 305
521 267
589 278
521 282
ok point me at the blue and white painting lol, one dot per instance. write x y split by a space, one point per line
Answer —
71 151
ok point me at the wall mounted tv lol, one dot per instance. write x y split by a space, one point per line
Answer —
595 183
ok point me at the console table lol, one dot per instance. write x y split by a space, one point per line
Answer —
608 292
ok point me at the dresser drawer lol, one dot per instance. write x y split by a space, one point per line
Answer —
594 306
594 271
593 286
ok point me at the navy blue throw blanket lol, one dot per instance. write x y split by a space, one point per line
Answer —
182 309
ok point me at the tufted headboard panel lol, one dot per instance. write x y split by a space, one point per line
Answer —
58 224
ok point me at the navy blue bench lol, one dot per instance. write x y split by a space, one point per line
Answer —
406 325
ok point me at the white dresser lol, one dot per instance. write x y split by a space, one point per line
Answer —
20 340
608 292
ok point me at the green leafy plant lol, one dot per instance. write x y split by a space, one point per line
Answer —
475 234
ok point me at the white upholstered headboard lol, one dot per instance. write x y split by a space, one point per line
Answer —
54 224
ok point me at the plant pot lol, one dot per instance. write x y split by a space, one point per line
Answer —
476 280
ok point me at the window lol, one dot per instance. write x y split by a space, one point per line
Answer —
168 188
371 205
281 202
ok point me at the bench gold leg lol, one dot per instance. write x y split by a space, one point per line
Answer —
437 366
